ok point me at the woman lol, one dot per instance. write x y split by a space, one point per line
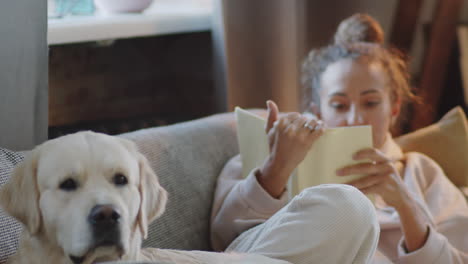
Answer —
422 216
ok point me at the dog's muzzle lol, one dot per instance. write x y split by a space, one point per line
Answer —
105 225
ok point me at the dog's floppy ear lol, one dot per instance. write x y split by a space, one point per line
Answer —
20 195
153 196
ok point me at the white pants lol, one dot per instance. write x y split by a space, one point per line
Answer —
333 224
324 224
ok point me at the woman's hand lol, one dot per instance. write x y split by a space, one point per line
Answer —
290 136
384 178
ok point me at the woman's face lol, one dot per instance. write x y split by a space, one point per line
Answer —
357 93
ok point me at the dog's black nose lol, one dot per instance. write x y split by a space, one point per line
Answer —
103 215
104 220
77 260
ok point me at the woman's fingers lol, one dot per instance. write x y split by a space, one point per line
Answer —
285 123
295 125
273 114
305 128
314 125
318 130
371 154
379 163
366 168
382 176
371 189
368 182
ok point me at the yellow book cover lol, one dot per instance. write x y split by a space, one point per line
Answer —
333 150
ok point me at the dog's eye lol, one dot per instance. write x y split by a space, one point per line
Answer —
68 185
120 179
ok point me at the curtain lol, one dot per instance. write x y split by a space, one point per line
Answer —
23 74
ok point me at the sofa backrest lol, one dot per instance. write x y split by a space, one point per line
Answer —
187 157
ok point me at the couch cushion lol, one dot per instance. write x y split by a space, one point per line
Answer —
188 158
446 142
10 229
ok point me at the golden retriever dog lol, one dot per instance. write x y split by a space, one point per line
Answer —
83 198
89 198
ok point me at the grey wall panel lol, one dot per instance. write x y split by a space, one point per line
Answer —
219 58
23 73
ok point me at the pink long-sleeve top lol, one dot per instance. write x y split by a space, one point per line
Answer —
240 204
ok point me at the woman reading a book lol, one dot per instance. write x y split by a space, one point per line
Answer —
422 216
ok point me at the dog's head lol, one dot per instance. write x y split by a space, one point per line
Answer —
90 195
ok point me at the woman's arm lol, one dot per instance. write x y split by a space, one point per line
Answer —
414 224
240 204
290 137
422 242
447 241
384 178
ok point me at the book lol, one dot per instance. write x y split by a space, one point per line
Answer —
331 151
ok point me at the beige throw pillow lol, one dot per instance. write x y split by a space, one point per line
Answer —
446 142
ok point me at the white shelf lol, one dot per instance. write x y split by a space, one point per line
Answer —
159 19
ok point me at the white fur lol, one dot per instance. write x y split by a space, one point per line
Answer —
56 220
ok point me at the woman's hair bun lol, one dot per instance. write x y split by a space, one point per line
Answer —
359 28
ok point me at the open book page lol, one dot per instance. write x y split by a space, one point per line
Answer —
333 150
253 140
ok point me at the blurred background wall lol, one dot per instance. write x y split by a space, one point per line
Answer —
259 46
265 41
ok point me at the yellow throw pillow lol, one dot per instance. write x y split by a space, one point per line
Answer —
446 142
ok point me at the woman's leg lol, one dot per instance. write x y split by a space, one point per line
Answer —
323 224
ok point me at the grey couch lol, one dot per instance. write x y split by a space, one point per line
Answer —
187 157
